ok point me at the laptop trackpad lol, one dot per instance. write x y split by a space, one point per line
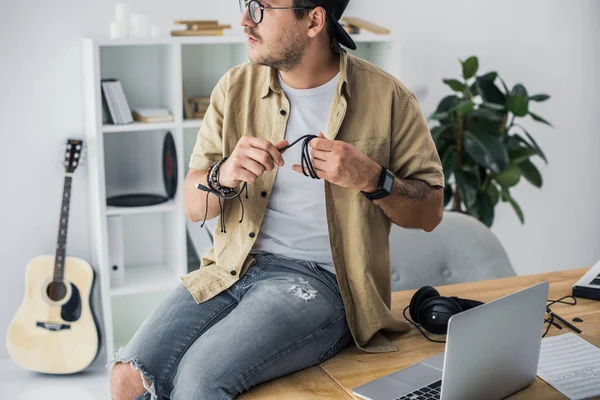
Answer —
436 361
418 375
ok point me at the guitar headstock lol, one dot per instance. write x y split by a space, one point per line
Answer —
74 149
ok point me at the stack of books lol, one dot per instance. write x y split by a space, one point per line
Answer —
200 28
199 106
353 25
152 115
115 105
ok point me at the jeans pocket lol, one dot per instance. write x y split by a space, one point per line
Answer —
330 281
255 271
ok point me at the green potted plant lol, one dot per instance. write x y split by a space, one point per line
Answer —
481 144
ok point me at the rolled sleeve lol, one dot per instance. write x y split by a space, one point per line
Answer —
413 151
209 143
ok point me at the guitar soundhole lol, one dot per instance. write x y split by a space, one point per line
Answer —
56 291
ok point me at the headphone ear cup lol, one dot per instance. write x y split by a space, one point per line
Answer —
435 314
466 304
424 293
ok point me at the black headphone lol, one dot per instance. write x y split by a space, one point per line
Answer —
432 311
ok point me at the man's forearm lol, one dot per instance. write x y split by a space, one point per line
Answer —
194 200
412 203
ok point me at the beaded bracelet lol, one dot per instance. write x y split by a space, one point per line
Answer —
213 178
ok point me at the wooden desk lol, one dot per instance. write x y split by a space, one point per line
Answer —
335 378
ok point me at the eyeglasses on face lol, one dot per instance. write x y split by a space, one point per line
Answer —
256 9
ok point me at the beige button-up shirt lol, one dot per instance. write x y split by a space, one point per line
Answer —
371 110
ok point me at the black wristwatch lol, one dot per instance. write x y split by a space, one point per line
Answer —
384 189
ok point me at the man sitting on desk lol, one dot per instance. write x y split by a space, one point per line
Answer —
306 270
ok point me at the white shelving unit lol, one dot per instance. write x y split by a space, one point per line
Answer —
127 159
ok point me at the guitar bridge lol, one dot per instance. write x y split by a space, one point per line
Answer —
52 327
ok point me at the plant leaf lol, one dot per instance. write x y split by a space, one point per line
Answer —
485 208
533 143
470 67
455 85
488 114
509 177
445 104
539 97
439 116
487 150
518 102
507 197
448 193
493 192
464 107
490 76
531 173
467 184
488 91
539 119
493 106
448 162
437 132
504 84
520 154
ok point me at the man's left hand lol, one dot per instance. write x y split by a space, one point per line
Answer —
342 164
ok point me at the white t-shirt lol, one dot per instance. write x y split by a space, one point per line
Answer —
295 222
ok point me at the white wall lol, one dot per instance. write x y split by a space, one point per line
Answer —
550 46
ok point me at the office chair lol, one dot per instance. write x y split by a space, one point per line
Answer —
461 249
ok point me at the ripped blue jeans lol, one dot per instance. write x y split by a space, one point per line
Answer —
282 316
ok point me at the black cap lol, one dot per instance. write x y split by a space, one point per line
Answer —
335 9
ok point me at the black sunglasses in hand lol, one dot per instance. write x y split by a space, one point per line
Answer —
256 9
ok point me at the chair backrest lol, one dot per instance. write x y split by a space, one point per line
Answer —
461 249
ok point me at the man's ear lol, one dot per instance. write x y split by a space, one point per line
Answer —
318 21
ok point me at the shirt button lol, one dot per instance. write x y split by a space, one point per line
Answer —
264 194
233 272
282 112
251 234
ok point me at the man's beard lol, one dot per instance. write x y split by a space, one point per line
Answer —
287 56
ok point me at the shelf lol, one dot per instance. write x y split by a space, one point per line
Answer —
192 123
145 279
229 38
164 207
138 127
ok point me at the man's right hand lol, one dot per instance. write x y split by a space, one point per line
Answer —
249 160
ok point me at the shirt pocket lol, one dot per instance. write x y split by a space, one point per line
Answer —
378 149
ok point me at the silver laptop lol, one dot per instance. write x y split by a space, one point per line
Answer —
491 352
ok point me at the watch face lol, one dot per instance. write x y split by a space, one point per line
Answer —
388 183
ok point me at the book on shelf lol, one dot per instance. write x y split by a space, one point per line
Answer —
142 118
200 28
115 101
198 32
152 112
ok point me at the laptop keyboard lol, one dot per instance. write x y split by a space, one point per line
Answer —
425 393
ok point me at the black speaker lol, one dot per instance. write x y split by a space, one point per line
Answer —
432 311
169 172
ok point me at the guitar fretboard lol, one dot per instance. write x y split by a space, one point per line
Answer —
61 243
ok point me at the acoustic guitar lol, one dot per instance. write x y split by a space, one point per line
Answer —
54 330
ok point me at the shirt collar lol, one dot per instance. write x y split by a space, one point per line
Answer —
271 83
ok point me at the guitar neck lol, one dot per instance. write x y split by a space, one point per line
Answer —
61 243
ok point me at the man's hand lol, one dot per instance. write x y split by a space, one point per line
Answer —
249 160
342 164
